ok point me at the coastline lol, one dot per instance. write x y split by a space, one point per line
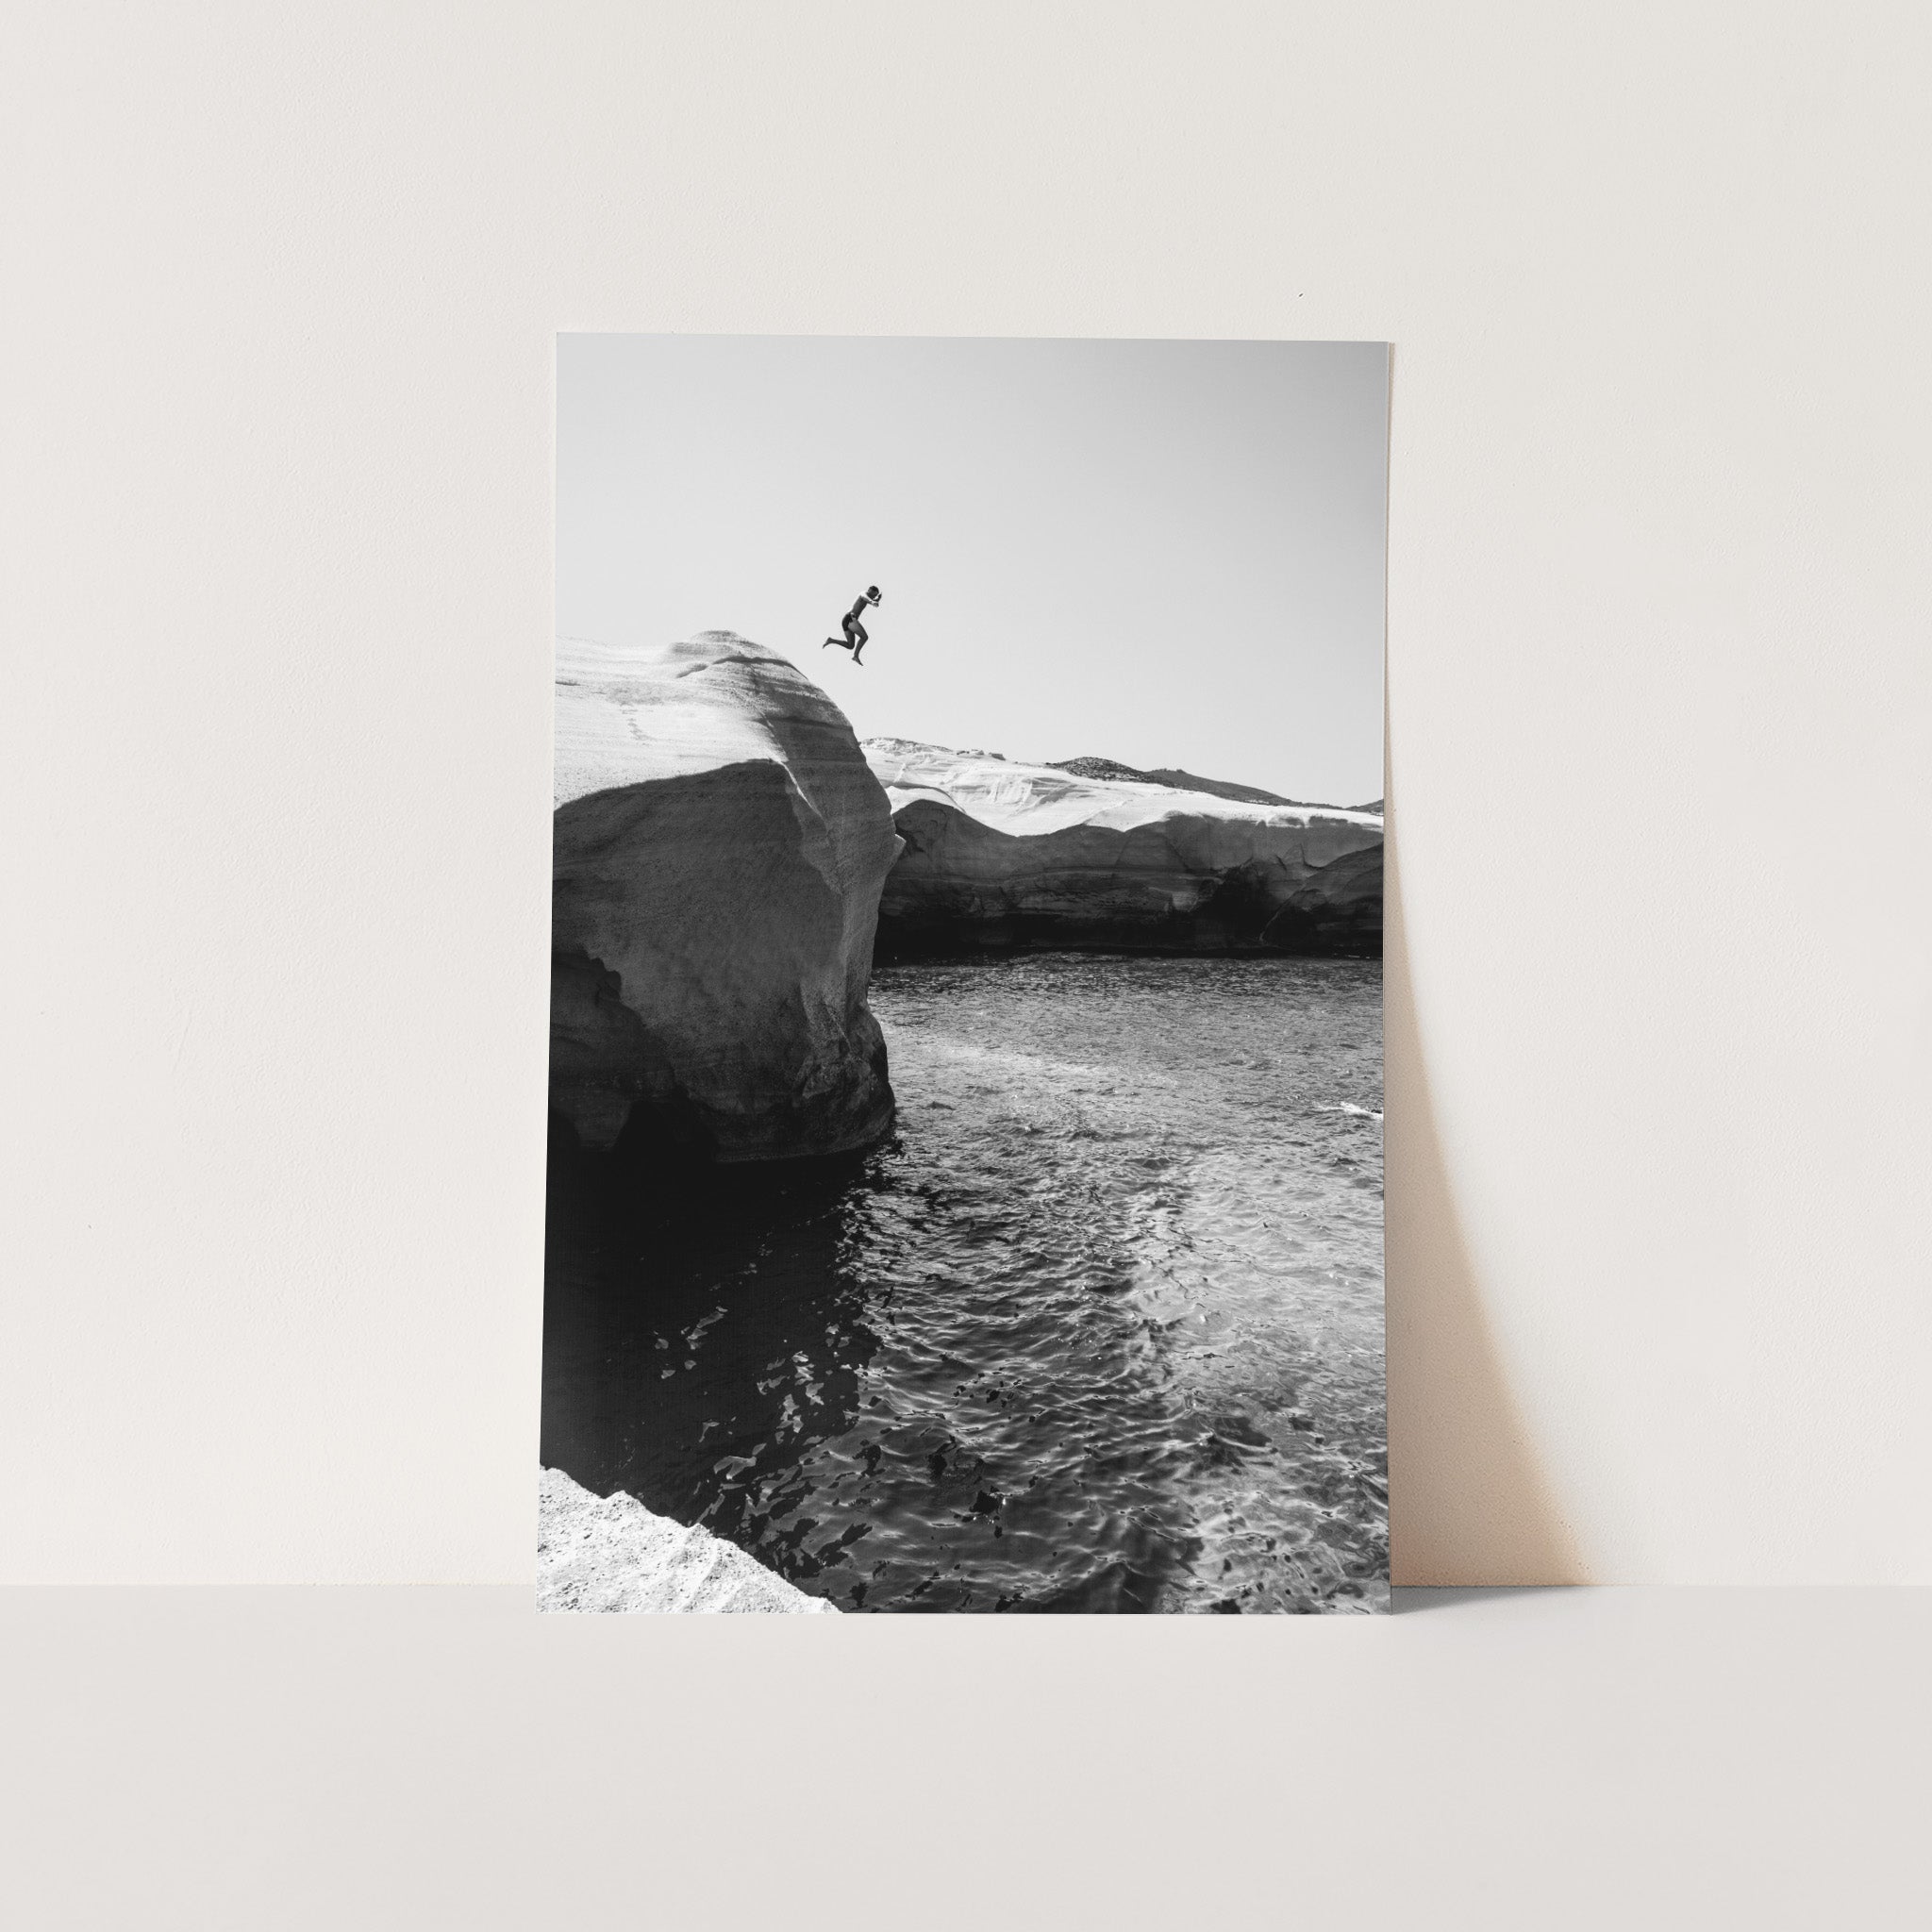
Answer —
596 1555
731 863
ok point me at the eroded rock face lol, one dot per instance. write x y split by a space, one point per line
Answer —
718 847
611 1554
1003 856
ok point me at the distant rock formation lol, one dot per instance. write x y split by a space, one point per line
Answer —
718 849
609 1553
1002 855
1176 780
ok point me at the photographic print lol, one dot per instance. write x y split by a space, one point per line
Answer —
965 1157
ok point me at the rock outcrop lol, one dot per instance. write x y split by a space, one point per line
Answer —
718 847
609 1553
1176 780
1002 855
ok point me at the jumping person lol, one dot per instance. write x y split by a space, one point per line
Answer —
854 638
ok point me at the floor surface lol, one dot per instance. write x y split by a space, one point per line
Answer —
421 1758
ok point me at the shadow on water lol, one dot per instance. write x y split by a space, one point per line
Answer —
700 1335
706 1346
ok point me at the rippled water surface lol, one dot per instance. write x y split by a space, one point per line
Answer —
1100 1330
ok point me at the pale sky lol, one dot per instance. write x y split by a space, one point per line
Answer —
1164 553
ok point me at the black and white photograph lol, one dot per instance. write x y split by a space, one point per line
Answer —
965 1087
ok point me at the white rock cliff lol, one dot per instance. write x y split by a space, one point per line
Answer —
719 849
1001 854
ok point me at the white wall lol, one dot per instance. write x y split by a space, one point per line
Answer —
275 477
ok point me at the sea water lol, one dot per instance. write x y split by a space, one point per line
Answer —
1100 1328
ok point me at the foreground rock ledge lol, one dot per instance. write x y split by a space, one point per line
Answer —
609 1553
1001 856
718 847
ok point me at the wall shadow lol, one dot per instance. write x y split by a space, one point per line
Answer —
1469 1503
